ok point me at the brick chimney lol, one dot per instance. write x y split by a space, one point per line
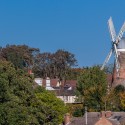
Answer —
67 119
30 71
103 120
103 114
108 114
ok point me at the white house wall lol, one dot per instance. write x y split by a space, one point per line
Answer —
67 99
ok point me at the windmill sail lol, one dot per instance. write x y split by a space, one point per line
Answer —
116 44
111 29
107 59
121 32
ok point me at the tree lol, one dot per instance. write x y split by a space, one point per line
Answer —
92 87
21 55
56 64
23 104
43 64
75 109
109 68
54 108
16 91
116 98
74 73
122 100
63 60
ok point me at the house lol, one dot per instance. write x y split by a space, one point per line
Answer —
97 118
65 90
67 94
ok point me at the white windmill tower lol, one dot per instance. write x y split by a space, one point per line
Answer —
118 49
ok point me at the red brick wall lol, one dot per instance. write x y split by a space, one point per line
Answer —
121 79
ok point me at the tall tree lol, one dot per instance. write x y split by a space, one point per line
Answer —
43 64
54 108
23 104
16 91
92 87
20 55
74 73
63 60
54 64
115 98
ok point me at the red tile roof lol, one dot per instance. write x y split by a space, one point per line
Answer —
53 83
94 117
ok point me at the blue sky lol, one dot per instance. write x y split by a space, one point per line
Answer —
78 26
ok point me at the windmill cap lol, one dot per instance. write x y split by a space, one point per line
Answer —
121 44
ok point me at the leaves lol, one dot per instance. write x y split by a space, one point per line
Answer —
56 64
22 104
45 64
21 55
116 98
54 108
92 86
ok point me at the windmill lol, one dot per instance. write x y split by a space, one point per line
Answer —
118 48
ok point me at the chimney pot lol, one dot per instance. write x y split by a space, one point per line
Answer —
108 114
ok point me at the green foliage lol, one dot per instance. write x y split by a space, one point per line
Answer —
119 89
74 73
115 99
54 108
76 109
21 55
54 64
45 64
108 69
22 104
15 93
92 87
78 112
